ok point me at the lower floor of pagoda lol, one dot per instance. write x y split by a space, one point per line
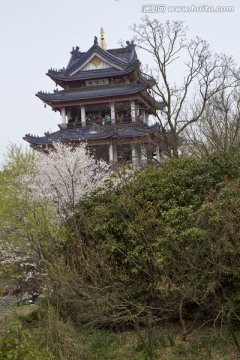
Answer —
137 154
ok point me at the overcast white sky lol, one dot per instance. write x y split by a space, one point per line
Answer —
39 34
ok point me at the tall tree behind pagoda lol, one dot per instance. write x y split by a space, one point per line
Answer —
219 128
204 75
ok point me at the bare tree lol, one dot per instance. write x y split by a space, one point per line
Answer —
204 75
219 128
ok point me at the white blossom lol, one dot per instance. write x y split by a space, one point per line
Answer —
65 175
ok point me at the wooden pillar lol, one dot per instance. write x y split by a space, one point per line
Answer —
137 109
135 155
143 113
146 117
83 115
63 113
113 152
133 111
143 154
113 114
68 115
158 158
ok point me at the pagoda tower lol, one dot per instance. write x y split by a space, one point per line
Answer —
105 101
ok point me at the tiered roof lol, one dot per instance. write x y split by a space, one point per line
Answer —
120 62
90 92
99 76
61 75
116 63
94 133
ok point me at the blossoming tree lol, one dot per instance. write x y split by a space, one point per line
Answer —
38 193
65 175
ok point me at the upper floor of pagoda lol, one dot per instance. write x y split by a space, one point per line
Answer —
98 66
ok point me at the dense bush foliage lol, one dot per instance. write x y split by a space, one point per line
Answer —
162 248
166 246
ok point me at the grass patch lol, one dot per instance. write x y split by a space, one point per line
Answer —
48 334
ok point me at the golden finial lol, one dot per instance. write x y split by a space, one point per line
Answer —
102 40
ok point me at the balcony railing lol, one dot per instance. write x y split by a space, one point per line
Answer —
100 121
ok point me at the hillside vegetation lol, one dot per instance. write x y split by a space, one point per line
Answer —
160 251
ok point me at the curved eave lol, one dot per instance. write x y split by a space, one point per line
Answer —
91 93
118 132
152 104
88 75
37 141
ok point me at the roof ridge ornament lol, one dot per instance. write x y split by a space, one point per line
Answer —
130 44
75 51
95 40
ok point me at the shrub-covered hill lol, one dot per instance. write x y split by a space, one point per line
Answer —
165 247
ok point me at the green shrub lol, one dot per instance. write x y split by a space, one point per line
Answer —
16 343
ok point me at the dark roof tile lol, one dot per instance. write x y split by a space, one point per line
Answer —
91 92
94 131
89 74
101 52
